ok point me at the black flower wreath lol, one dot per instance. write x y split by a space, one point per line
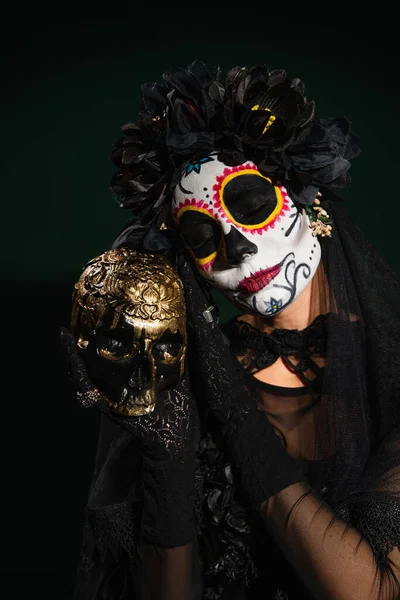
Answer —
250 114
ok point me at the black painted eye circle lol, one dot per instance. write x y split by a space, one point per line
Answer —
201 232
249 198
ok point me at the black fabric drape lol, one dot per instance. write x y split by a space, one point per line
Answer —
354 459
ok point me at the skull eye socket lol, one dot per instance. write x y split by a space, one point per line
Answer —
115 344
168 349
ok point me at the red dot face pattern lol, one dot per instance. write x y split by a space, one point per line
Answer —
222 206
246 236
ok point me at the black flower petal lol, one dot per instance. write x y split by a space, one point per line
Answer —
154 97
236 519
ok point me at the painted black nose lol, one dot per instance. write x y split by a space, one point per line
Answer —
238 248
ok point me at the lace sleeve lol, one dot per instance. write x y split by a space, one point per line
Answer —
167 573
378 519
117 562
373 503
114 566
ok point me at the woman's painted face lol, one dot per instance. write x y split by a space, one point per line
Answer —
247 237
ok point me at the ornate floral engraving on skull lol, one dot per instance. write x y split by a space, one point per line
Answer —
129 317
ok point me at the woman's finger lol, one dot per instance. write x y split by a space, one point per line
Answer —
79 374
68 341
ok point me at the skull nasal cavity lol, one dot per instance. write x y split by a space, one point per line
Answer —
238 247
141 373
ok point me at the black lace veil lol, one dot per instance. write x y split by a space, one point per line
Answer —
357 418
362 408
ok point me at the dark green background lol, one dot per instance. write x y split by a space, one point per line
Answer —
67 86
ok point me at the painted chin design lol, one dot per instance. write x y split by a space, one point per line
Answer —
259 280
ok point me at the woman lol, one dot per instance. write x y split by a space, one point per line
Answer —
298 464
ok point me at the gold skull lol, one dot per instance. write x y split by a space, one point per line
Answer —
129 318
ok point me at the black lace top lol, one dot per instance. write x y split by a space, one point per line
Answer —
291 410
257 350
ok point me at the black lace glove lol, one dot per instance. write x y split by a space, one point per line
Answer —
264 467
168 436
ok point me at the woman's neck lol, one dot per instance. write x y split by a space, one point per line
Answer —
300 313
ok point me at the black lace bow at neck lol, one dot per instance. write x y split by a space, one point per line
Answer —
260 350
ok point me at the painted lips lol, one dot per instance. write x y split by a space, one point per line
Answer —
258 280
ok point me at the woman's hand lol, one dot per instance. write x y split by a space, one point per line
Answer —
166 433
169 436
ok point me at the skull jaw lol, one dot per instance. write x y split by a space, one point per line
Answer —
135 406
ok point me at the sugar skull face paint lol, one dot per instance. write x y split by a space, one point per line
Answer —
247 237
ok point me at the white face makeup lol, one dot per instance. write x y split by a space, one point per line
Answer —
247 237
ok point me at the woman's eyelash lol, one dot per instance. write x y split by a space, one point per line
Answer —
250 210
